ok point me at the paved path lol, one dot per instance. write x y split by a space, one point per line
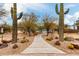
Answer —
40 46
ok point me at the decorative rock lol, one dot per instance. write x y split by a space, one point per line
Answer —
76 46
77 39
15 46
3 45
56 37
57 43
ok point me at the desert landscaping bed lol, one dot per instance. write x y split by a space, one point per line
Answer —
65 46
23 42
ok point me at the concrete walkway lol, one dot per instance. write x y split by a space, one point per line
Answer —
41 46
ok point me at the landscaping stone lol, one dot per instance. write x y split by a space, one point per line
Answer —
3 45
76 46
15 46
77 39
57 43
56 37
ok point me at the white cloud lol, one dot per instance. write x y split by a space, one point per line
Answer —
70 19
70 5
23 7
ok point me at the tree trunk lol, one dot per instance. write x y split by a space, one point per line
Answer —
47 32
29 31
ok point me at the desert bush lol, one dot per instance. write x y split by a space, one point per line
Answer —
49 39
24 37
57 43
23 41
71 46
15 46
68 38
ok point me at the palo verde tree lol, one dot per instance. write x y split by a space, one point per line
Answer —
29 23
15 18
61 19
3 12
47 24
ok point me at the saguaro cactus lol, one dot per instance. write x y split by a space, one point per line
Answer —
61 19
15 18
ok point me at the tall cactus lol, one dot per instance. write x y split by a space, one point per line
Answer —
15 18
61 19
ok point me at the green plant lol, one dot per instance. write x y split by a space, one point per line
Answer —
61 19
71 46
49 39
23 41
29 23
66 38
15 18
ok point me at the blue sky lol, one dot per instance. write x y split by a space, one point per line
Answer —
40 9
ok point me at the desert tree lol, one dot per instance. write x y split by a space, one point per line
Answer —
29 23
40 27
48 23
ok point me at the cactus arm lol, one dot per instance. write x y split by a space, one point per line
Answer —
56 9
12 12
66 11
21 14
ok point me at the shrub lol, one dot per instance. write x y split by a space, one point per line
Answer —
57 43
24 37
24 40
15 46
70 46
68 38
49 39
